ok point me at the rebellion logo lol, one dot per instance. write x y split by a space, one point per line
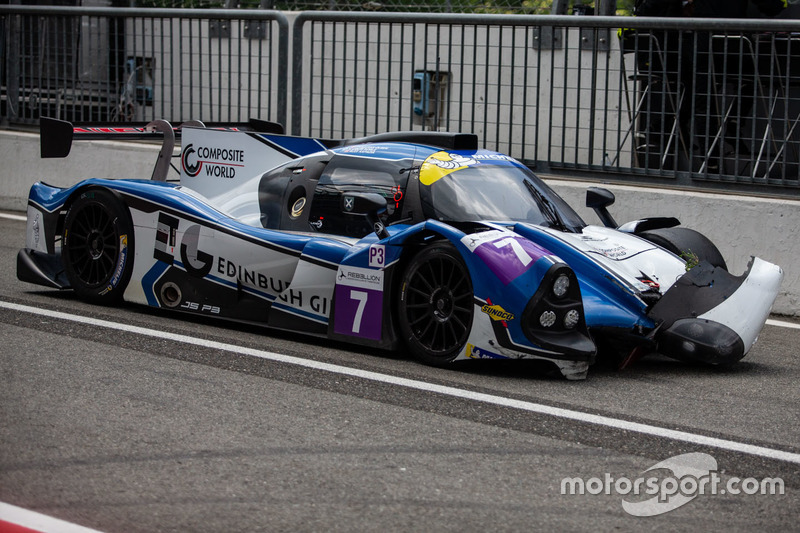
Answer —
218 162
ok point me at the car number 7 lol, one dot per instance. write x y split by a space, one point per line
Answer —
519 251
361 298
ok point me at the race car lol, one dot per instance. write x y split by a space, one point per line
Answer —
417 241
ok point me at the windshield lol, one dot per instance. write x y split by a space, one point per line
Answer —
465 187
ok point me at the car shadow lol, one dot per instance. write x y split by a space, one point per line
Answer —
647 367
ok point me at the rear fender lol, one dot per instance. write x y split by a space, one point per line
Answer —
45 204
40 261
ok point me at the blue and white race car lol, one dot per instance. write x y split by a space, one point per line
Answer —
409 240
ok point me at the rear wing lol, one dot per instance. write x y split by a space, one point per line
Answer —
56 136
265 139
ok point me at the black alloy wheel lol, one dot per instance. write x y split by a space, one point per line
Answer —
436 304
97 246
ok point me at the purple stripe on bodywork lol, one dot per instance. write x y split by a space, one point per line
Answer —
509 256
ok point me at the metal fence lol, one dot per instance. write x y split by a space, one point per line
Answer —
696 103
89 64
396 6
714 103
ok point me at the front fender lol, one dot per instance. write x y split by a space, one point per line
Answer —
512 279
608 300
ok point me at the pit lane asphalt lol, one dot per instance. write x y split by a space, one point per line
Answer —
124 432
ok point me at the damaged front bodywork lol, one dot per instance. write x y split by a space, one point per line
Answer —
712 316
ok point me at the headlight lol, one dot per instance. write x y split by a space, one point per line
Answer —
571 319
547 319
561 286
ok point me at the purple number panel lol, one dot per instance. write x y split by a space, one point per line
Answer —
359 302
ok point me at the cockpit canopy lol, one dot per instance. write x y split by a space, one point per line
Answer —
418 182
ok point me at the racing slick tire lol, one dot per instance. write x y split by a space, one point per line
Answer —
685 242
97 246
436 307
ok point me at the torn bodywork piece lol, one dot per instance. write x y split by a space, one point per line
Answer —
713 316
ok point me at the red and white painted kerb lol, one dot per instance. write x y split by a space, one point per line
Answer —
15 519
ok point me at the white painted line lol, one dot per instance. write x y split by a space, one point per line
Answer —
532 407
782 324
11 514
9 216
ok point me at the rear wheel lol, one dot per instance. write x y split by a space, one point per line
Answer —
686 243
435 309
97 246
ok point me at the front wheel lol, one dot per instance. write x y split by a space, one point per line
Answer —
435 308
97 246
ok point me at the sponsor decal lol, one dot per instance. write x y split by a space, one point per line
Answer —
617 252
304 302
473 352
202 308
319 304
440 164
360 277
188 162
35 228
377 256
121 260
361 149
349 201
298 206
591 238
166 232
496 312
493 157
316 224
126 129
217 162
295 297
200 264
196 262
359 302
248 277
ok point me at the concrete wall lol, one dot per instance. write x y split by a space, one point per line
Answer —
21 166
740 226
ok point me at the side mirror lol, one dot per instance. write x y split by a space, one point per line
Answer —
599 199
368 204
